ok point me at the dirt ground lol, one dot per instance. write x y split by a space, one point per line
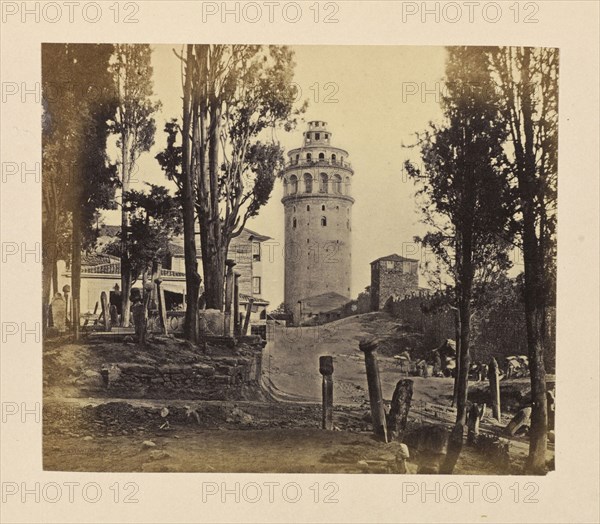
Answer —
280 434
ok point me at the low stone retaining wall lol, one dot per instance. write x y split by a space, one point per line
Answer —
226 372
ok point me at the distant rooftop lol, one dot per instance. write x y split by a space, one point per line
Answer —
396 258
324 302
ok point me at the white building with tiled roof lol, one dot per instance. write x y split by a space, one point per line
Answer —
101 272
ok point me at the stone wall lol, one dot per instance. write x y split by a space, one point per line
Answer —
499 333
234 374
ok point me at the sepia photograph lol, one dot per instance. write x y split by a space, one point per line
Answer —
299 258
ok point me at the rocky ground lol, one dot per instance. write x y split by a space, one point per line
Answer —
277 432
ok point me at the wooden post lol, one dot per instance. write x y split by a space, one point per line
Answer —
105 311
236 305
247 319
95 320
369 348
326 369
399 409
228 297
162 306
493 376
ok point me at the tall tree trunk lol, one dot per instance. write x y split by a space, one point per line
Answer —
49 255
125 263
156 271
464 359
55 276
214 248
76 266
535 290
536 341
465 283
189 162
214 287
458 353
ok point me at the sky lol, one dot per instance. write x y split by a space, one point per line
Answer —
375 99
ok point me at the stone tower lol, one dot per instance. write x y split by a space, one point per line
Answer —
318 220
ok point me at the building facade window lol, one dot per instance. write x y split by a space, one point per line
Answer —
256 251
308 157
337 184
323 183
293 184
308 183
256 284
323 221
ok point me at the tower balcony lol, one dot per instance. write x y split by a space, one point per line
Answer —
343 164
319 195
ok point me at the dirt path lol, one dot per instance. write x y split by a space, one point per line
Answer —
291 363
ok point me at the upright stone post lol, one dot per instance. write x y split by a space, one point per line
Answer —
228 297
69 308
494 377
58 313
147 295
105 311
398 416
326 369
248 313
236 304
369 348
162 306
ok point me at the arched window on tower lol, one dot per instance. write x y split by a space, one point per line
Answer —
297 158
308 157
323 183
347 184
285 187
323 221
294 223
333 159
308 183
293 185
337 184
321 156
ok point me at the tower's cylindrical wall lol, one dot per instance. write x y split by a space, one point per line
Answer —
318 221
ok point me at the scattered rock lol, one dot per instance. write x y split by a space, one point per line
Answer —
88 437
148 444
403 452
159 454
